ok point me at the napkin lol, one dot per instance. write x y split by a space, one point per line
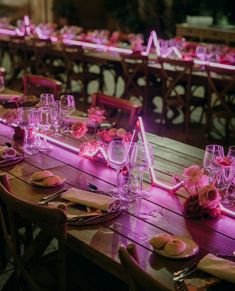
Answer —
10 97
91 199
218 267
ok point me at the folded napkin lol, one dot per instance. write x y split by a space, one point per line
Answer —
218 267
91 199
10 97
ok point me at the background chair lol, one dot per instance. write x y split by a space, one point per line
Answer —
221 102
177 91
79 70
109 103
35 85
135 74
138 279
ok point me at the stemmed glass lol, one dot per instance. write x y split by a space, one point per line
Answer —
231 151
227 177
34 118
46 99
140 159
212 153
117 156
67 106
55 117
45 124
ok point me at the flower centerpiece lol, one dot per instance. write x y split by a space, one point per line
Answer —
204 198
96 115
79 129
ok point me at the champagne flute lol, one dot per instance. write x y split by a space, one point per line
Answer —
45 124
55 117
34 117
67 106
141 157
212 153
227 177
117 157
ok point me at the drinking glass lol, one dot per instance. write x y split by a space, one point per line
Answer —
139 158
227 177
46 99
67 106
55 117
34 118
24 122
117 157
231 151
45 124
212 153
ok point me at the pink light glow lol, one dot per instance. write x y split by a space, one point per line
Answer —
40 34
26 20
7 31
153 39
98 46
19 32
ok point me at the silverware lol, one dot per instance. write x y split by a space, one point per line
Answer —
184 275
51 197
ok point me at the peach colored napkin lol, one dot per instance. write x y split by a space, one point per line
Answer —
218 267
91 199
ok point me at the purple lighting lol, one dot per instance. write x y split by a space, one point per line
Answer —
7 31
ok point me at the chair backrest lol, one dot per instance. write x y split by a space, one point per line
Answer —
221 82
135 66
175 71
111 102
36 84
138 279
51 223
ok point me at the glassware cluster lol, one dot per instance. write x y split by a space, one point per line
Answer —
221 170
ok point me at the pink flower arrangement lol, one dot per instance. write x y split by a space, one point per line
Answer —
90 147
194 176
79 129
96 115
204 198
113 133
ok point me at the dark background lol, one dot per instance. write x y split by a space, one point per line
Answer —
141 15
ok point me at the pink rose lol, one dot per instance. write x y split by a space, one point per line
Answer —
79 129
96 115
209 196
194 176
105 136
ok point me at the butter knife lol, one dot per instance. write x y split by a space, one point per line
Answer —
51 197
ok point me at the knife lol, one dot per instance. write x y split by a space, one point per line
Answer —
51 197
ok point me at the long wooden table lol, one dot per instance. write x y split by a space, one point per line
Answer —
163 210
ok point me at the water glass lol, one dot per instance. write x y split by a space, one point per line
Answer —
128 185
231 151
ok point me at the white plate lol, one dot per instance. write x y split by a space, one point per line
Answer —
191 249
40 184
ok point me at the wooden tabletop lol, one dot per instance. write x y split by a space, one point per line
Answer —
163 210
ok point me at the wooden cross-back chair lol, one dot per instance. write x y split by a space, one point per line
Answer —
109 103
36 85
78 69
221 102
135 74
177 90
50 223
138 279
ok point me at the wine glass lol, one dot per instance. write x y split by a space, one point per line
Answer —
212 153
46 99
67 106
45 124
231 151
227 178
55 117
141 156
117 157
